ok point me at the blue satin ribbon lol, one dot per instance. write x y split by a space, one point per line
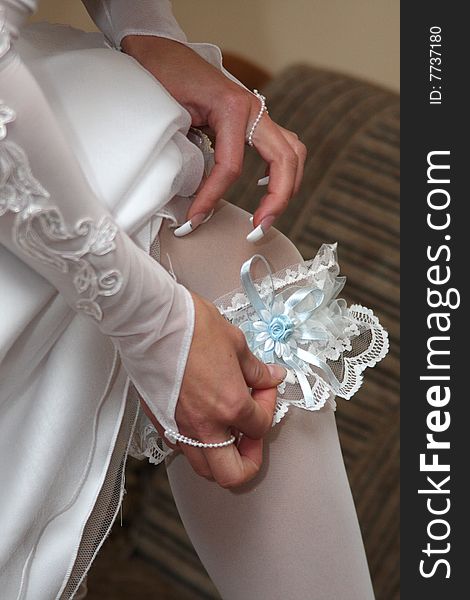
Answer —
275 335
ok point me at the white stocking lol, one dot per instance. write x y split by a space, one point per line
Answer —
292 532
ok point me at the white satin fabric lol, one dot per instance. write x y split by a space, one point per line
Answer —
105 140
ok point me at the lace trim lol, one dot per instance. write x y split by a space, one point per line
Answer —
203 142
7 115
37 225
369 347
147 443
312 271
4 39
354 340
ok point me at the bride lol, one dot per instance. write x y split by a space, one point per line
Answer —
124 327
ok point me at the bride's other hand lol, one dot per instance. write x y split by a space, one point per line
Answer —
229 111
213 401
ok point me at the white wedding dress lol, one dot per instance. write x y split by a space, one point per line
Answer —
86 167
94 154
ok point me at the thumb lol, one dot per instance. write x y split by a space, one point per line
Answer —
257 374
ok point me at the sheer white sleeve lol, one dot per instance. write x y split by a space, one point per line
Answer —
51 220
118 18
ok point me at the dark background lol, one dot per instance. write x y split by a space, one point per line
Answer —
426 128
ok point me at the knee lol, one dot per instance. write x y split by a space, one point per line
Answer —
222 244
278 249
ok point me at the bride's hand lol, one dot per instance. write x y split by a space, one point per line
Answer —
229 110
213 401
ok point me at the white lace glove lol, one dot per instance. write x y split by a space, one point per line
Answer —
52 221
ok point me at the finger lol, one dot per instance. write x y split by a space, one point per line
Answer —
229 131
256 421
266 400
257 374
232 466
283 163
198 461
252 449
301 152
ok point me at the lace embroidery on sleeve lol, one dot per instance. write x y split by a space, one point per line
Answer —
4 37
38 226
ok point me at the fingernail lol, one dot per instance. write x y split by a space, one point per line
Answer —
258 232
263 180
192 224
277 371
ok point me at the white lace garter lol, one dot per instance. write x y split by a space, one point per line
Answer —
293 317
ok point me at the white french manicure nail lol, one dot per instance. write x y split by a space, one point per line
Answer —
192 224
277 371
258 232
263 180
183 229
251 219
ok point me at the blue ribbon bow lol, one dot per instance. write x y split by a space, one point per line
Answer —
283 323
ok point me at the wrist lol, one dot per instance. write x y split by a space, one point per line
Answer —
143 46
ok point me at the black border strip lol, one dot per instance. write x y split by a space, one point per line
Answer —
426 128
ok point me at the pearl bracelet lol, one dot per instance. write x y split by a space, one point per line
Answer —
262 109
174 437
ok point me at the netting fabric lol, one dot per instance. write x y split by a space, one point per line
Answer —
107 504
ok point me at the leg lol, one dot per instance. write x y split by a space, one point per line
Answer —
292 532
208 260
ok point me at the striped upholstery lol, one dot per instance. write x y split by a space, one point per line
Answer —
349 195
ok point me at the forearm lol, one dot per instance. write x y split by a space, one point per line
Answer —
52 220
118 19
166 59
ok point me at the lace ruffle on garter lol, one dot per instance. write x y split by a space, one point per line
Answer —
293 317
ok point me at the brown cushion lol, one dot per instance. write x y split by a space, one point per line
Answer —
350 195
